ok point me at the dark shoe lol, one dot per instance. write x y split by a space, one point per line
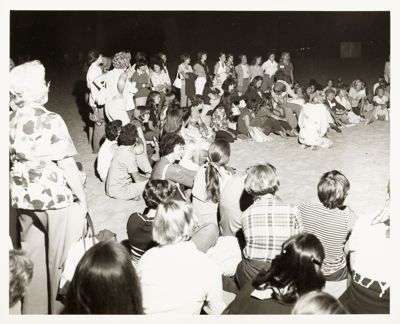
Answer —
337 129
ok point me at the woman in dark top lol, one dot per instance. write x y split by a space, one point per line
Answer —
254 91
230 95
293 273
140 225
287 67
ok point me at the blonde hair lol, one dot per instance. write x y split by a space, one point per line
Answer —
28 84
318 302
261 180
174 222
121 60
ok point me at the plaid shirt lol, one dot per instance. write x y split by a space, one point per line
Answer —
267 224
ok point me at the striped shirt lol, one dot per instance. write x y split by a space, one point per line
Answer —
140 235
331 227
267 224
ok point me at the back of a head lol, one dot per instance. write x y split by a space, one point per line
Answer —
318 303
104 282
128 135
332 189
261 180
297 268
174 222
112 129
156 192
173 121
28 84
168 143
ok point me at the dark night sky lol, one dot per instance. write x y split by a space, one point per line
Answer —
45 33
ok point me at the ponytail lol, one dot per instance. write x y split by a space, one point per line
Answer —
212 183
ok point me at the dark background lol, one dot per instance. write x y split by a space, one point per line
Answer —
49 34
62 38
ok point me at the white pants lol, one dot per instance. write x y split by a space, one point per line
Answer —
199 85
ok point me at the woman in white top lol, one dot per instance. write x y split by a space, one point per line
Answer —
176 278
357 97
117 88
95 60
209 181
183 69
220 70
269 67
255 67
314 124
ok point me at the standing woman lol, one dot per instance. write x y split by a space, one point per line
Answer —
220 70
201 70
243 74
230 66
255 67
287 67
142 80
94 61
44 179
183 69
160 80
269 68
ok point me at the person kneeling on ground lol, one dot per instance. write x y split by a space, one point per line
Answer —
124 180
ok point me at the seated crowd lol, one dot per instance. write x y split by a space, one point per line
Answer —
212 239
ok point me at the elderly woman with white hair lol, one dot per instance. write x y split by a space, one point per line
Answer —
45 183
176 278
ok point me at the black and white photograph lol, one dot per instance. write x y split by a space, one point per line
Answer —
221 161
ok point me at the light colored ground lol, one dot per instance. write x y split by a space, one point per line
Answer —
360 152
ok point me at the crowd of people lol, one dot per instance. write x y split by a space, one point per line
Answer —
212 239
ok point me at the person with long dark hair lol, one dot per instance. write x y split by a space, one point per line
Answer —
105 282
183 73
293 273
210 180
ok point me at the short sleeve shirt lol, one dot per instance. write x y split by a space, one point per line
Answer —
38 139
122 166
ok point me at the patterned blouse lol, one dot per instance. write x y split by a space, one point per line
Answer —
38 138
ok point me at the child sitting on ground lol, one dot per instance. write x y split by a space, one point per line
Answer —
380 102
343 99
124 180
339 111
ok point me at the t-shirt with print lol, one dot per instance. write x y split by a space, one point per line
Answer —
38 139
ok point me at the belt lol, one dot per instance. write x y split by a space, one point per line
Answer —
367 283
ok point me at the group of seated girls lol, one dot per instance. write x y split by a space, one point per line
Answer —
259 255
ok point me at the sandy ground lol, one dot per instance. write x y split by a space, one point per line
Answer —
360 152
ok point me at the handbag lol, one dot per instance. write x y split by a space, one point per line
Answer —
258 135
177 82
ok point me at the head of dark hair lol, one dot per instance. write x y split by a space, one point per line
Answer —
150 102
332 189
197 100
228 82
105 282
158 62
253 82
173 121
254 60
139 63
140 56
156 192
112 129
168 143
128 135
184 57
279 75
297 269
200 55
218 156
